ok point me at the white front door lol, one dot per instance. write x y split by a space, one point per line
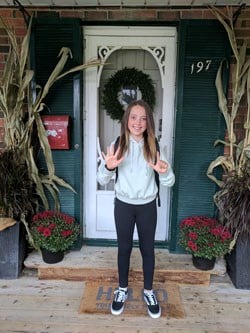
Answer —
153 51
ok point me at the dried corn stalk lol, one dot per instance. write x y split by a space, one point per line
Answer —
22 111
239 152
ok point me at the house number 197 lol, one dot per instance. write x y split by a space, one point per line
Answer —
200 66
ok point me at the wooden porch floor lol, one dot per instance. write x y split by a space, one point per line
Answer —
31 304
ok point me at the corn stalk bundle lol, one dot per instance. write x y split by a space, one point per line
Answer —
237 161
21 102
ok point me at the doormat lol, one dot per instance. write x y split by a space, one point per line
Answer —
98 296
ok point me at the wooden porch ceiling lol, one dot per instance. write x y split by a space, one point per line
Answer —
122 3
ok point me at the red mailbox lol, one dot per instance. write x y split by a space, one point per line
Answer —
57 128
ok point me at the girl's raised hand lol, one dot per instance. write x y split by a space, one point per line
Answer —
160 166
111 159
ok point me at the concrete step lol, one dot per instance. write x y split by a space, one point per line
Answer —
99 263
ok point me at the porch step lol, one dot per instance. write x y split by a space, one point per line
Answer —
99 263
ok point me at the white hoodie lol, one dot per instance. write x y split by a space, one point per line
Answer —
136 180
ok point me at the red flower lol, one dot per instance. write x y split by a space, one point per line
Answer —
66 233
47 232
188 222
226 235
209 222
192 246
193 235
40 229
215 231
68 219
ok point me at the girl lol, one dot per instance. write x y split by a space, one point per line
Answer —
135 197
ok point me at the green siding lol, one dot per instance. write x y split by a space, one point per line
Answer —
198 121
50 34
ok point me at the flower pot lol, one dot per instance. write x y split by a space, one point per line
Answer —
12 251
52 257
238 264
203 263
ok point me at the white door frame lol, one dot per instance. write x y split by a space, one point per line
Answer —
153 40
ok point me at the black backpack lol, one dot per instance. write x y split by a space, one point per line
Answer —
157 180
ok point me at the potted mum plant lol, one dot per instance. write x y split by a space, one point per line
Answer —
206 239
53 233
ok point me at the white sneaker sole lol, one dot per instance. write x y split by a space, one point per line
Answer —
117 312
154 315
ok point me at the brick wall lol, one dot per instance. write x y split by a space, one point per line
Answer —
15 19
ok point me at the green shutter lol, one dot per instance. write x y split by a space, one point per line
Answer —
202 45
49 35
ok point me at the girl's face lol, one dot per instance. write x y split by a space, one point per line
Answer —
137 122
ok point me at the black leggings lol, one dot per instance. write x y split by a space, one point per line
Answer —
144 217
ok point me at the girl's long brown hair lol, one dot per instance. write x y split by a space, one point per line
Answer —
149 149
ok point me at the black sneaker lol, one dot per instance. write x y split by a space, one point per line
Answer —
154 309
118 302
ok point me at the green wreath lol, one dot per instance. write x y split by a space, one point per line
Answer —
127 77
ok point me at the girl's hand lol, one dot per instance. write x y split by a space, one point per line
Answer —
111 159
160 166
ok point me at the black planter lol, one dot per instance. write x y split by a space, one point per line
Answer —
52 257
203 263
238 264
12 251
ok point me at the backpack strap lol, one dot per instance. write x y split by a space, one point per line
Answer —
116 145
157 179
